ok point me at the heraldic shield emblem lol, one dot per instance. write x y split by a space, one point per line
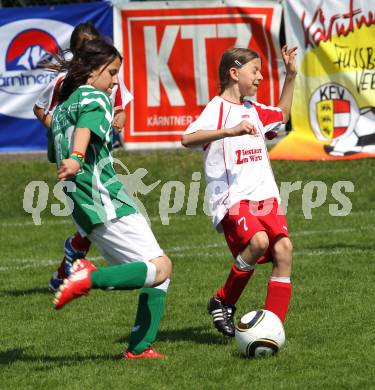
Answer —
333 117
333 112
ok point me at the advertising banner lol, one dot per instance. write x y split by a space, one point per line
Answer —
27 36
172 52
333 114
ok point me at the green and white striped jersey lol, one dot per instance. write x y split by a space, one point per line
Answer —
98 194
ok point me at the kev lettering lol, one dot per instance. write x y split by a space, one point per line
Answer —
249 155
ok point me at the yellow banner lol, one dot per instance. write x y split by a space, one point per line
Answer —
333 112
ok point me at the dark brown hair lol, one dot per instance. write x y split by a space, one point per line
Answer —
233 58
82 32
91 56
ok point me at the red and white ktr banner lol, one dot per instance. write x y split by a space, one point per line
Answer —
171 55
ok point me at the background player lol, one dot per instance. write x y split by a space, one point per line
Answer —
243 196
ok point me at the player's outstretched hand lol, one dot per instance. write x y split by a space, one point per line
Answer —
289 58
242 128
67 169
119 121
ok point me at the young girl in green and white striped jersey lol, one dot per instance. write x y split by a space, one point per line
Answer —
80 144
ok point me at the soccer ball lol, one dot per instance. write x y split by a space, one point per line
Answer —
260 333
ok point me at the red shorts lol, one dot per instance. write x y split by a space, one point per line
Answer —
247 217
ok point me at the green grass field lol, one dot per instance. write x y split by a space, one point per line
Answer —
330 327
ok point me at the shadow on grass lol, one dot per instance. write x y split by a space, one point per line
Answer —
11 356
195 334
28 291
237 355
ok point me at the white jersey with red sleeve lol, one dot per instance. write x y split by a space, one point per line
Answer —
120 96
237 168
48 99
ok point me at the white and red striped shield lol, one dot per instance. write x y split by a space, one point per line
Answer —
333 117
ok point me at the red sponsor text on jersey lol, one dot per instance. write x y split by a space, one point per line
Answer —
249 155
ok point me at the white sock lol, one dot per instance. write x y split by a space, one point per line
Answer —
164 286
280 279
151 274
242 265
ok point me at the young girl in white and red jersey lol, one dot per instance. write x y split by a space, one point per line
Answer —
76 246
243 196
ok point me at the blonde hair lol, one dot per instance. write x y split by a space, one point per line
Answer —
235 57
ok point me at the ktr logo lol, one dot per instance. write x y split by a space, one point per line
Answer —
24 44
157 59
176 53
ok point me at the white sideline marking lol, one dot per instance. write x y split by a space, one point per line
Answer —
295 234
345 230
177 251
153 219
25 263
68 221
317 252
35 262
31 223
44 262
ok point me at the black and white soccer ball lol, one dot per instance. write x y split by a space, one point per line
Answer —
260 333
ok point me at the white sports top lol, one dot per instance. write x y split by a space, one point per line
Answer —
237 168
48 98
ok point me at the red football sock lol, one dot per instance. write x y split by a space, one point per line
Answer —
278 298
79 243
61 274
234 285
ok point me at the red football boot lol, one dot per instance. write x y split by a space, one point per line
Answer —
148 353
76 285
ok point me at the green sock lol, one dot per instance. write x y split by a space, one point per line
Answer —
150 310
127 276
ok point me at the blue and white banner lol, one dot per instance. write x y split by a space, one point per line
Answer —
28 35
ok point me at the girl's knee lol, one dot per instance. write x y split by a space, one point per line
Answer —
282 250
259 243
167 265
163 268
